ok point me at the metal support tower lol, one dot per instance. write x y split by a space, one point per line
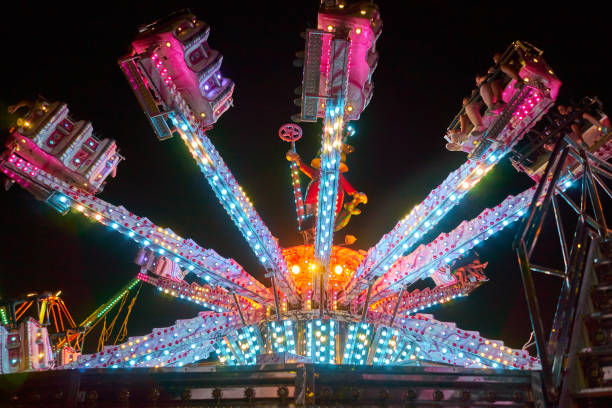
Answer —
567 158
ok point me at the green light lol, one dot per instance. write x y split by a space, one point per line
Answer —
116 299
3 316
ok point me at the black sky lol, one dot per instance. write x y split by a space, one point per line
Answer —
429 53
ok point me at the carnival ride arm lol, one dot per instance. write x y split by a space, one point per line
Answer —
445 343
205 263
240 209
449 246
187 341
526 109
209 297
418 300
412 339
331 146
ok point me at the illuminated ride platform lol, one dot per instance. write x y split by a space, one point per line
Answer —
335 324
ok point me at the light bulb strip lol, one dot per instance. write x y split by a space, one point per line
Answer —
163 346
241 346
297 192
417 300
387 346
445 343
358 342
283 336
321 341
205 263
206 296
446 247
331 146
230 194
531 104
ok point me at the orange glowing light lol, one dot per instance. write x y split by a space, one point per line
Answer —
342 259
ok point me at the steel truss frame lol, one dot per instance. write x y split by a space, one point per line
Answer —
591 225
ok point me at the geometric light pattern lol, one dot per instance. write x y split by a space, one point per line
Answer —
321 341
530 107
358 343
388 344
242 347
185 342
283 336
369 313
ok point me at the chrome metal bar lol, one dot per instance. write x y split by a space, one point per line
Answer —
602 185
546 270
574 207
596 163
589 155
564 126
599 162
577 341
583 197
534 313
397 305
367 302
276 302
559 165
559 223
533 206
566 305
239 308
568 200
574 149
527 239
601 171
594 196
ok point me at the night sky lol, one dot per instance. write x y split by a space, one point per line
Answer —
429 54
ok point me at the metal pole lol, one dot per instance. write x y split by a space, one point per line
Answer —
574 207
596 204
533 206
322 291
275 299
560 164
602 185
546 271
565 313
583 197
367 302
534 314
399 300
239 308
597 160
601 171
560 231
595 200
568 200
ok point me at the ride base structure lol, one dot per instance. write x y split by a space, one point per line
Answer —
333 324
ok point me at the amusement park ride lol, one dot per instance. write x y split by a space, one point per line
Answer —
327 304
